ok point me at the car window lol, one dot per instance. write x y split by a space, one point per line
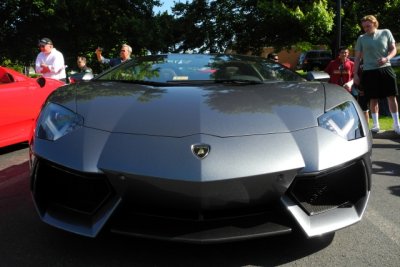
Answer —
313 54
6 78
325 54
318 54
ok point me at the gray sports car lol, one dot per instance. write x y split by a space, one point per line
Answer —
200 148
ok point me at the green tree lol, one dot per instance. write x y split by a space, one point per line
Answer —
353 10
78 27
214 26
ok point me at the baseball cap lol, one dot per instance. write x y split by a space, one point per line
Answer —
45 41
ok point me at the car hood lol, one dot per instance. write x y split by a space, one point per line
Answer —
220 109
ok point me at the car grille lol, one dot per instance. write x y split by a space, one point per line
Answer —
71 190
201 201
338 188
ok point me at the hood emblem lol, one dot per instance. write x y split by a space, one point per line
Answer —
200 150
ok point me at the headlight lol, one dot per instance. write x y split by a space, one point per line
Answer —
55 121
343 120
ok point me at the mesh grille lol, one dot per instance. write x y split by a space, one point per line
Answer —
71 190
338 188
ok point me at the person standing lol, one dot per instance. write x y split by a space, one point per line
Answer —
360 95
340 70
81 62
85 73
376 47
50 61
273 56
124 55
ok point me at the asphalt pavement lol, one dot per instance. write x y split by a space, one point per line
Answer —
386 135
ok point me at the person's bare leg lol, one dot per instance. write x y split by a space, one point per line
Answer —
394 110
374 107
366 114
393 106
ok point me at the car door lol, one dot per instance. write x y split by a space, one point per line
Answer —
16 109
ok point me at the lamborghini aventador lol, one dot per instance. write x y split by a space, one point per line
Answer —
201 148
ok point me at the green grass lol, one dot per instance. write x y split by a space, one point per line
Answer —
385 123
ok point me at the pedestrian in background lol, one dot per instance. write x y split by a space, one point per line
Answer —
50 62
124 55
81 62
273 57
358 92
376 47
340 70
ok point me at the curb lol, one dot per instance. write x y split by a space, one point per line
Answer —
385 135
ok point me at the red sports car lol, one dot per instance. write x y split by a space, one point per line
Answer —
21 98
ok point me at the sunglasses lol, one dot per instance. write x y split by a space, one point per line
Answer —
122 51
42 46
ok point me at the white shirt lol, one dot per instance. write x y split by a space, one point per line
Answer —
55 61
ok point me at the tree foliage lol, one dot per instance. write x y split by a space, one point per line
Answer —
78 27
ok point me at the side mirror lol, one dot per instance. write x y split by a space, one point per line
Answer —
321 76
41 81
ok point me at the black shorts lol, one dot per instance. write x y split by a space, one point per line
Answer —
379 83
359 94
363 102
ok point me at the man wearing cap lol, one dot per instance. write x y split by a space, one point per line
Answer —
50 61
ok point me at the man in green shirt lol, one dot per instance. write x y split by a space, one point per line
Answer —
376 47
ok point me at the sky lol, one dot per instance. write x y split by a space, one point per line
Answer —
167 4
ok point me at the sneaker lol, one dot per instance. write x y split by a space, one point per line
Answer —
396 129
375 129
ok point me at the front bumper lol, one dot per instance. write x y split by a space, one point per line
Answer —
251 186
238 209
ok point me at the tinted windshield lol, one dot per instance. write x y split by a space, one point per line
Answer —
175 68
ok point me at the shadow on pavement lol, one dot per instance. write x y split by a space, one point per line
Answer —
12 148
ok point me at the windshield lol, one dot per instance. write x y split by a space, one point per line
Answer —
184 68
